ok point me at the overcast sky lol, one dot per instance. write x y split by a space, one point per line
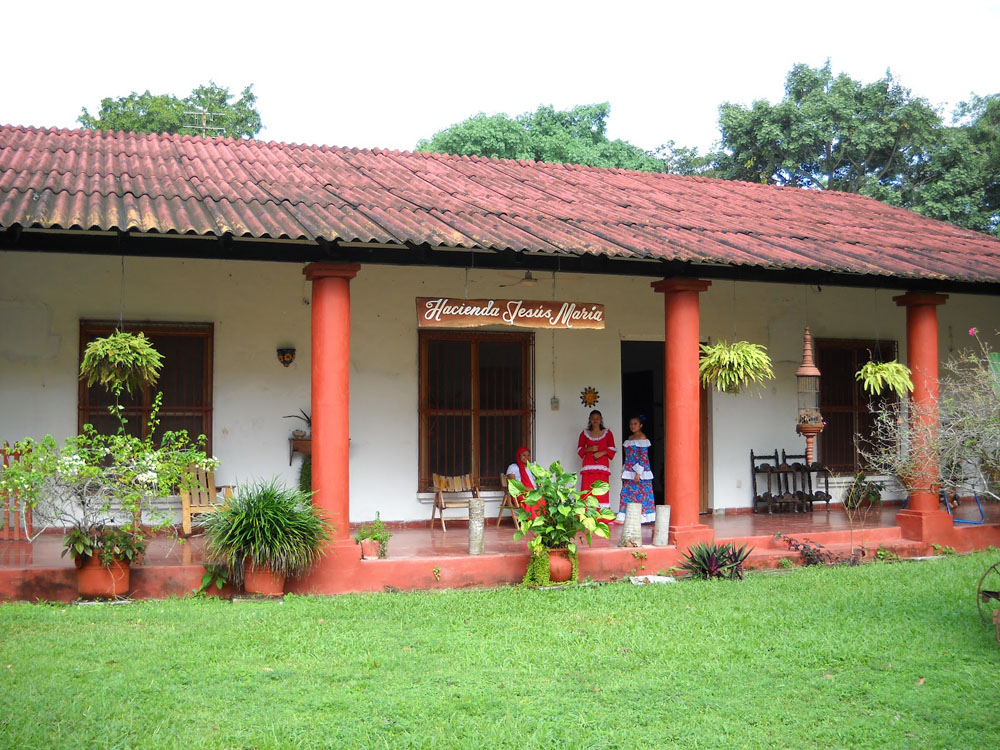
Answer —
374 73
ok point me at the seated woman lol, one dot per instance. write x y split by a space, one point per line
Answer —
520 471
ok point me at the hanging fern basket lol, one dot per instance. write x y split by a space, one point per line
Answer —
876 376
732 368
121 360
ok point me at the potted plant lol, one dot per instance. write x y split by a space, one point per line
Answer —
98 486
731 367
120 361
555 514
306 419
103 557
874 376
374 539
265 533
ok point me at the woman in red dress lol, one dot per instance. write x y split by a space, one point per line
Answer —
520 471
596 447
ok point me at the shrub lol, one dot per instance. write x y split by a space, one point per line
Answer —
271 525
712 560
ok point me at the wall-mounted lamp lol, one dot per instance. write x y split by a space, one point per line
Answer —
286 355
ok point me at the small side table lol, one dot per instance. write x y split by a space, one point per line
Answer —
299 445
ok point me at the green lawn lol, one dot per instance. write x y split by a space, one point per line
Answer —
878 656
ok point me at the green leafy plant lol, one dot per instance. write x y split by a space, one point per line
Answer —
377 532
943 550
884 554
108 544
732 367
641 557
269 525
436 572
555 514
215 575
711 560
121 360
785 563
94 481
306 474
874 376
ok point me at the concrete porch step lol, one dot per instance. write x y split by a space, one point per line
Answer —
869 537
764 557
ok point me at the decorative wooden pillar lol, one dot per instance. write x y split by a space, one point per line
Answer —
923 519
331 391
682 404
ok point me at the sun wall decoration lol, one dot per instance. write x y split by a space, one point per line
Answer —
589 396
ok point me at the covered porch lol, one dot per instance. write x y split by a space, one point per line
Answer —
428 558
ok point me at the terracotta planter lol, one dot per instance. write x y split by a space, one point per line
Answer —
560 566
94 580
262 580
369 549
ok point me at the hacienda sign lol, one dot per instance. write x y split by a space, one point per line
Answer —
444 312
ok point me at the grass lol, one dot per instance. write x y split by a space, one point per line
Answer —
876 656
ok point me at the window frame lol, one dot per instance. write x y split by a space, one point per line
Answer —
90 329
424 412
888 350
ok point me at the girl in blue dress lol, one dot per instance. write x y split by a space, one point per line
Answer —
637 474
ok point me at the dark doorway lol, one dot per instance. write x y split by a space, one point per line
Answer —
642 393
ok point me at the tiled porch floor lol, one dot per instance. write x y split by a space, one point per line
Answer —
420 541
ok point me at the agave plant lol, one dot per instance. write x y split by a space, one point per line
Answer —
712 560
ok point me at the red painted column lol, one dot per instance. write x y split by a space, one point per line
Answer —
331 391
682 403
923 518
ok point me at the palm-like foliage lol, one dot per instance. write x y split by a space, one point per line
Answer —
712 560
270 525
732 367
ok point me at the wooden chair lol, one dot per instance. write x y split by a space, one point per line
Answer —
202 497
765 465
822 474
446 491
509 502
801 480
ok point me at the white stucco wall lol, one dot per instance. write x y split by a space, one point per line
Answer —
257 307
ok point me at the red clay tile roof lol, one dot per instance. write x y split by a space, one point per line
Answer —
77 179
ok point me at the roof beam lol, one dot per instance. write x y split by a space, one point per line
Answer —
285 251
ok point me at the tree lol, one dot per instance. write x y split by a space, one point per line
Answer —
207 110
834 133
980 119
829 132
686 161
576 136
